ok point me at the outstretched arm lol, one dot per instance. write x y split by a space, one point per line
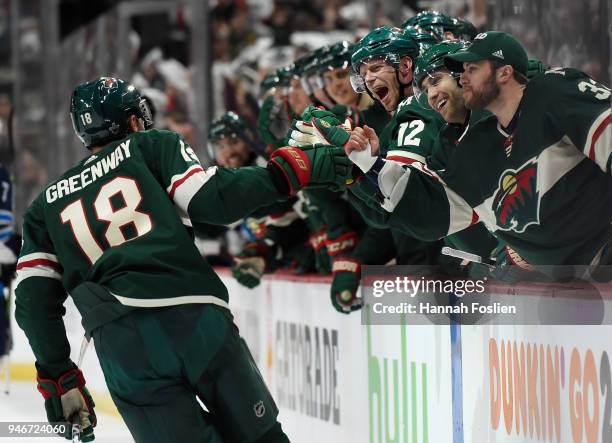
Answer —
222 195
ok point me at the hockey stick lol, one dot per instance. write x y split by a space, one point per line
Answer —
75 419
465 256
76 428
84 344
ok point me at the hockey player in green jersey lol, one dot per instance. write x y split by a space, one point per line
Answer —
336 226
547 187
437 87
382 65
543 160
111 233
275 114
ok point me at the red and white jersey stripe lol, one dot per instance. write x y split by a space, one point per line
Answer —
38 264
598 146
184 186
404 157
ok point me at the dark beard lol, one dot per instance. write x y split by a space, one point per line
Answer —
481 99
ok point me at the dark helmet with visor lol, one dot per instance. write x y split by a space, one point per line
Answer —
99 110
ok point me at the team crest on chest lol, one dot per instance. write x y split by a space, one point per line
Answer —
516 202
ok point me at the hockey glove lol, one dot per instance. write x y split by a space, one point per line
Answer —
317 241
66 397
265 121
347 272
251 263
342 244
320 126
323 166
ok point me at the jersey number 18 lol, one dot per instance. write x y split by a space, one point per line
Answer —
117 219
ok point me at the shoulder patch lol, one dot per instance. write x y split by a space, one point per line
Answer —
403 104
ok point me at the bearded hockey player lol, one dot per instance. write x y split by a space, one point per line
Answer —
540 164
437 87
547 191
111 233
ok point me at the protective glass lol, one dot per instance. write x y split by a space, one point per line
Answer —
306 85
221 142
331 75
315 82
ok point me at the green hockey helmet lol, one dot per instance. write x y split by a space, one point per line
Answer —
228 125
298 70
464 30
300 63
313 67
432 61
99 110
278 78
270 81
432 22
424 39
311 72
387 43
231 125
338 56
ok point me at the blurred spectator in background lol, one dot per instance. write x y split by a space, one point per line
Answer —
33 174
288 16
6 150
231 29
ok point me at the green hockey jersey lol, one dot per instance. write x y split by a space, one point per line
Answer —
411 133
118 219
408 137
414 136
545 189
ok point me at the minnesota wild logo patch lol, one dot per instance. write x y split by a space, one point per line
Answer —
516 202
